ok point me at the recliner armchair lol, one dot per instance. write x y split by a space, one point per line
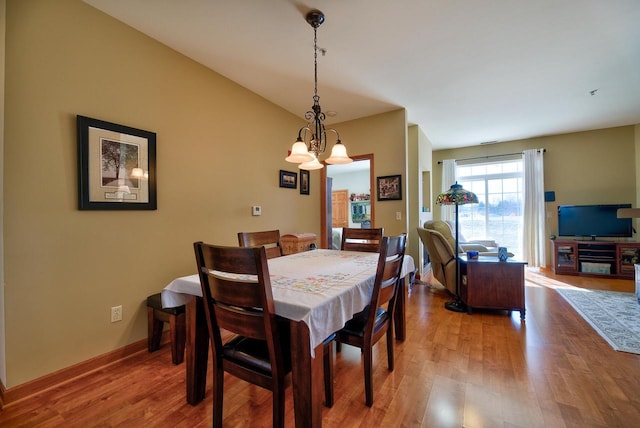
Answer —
441 255
436 235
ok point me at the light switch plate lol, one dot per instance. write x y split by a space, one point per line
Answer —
256 210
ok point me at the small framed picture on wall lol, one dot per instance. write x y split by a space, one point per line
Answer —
304 182
288 179
389 188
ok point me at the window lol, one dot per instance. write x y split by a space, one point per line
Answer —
498 215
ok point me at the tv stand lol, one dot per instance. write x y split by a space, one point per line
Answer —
595 258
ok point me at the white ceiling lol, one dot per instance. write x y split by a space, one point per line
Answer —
467 71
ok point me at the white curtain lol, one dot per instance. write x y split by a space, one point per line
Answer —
534 219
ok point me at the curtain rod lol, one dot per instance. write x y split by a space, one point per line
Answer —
492 156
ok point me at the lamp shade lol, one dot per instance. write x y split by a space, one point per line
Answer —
339 155
299 153
456 195
309 166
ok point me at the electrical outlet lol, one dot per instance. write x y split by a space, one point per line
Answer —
116 313
398 215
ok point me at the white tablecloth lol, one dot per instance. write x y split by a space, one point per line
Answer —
322 288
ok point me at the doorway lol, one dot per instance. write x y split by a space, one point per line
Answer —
353 182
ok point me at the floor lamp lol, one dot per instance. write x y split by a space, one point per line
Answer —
456 195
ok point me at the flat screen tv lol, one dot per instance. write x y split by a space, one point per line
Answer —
593 221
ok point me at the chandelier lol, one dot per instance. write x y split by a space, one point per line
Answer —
306 153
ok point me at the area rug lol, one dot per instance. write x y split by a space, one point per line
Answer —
614 315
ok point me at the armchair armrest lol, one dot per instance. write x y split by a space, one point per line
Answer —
473 247
485 242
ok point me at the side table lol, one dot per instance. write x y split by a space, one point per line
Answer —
491 284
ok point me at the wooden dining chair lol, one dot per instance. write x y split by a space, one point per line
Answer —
270 239
361 239
367 327
236 289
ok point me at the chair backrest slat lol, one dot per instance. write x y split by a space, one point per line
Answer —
390 276
242 323
270 239
235 292
368 240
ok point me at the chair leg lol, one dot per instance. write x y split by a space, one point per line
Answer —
278 407
390 359
218 385
154 330
368 375
328 373
177 330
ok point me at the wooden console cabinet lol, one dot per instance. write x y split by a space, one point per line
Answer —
598 258
491 284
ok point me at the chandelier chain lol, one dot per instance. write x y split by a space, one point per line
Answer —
315 62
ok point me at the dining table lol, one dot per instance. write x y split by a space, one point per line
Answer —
318 291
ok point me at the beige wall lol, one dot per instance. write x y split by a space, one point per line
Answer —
385 136
582 168
413 191
3 366
66 268
418 163
420 148
219 150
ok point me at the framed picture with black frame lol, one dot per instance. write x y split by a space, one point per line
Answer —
389 188
116 166
288 179
304 182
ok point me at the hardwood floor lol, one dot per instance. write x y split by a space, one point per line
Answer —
488 369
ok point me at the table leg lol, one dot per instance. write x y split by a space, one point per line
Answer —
399 317
197 350
307 377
